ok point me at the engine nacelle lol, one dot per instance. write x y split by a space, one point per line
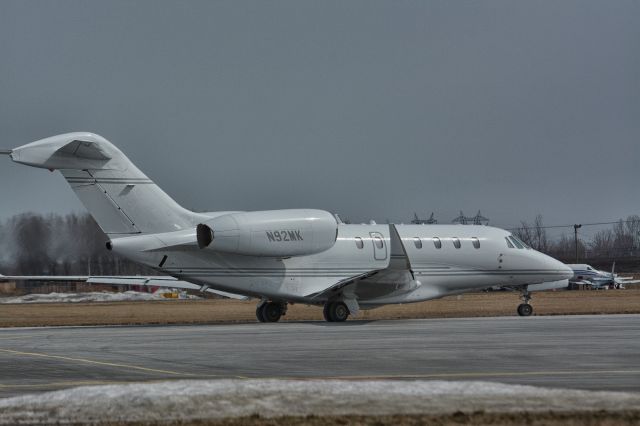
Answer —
270 233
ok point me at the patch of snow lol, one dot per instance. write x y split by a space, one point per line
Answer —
126 296
213 399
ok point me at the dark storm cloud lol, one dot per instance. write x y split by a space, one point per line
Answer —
370 109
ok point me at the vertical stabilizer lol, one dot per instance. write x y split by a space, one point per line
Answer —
121 198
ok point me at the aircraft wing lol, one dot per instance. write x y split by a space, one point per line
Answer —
581 282
549 285
43 278
625 280
149 281
340 284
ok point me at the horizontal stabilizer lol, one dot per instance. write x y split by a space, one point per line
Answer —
79 151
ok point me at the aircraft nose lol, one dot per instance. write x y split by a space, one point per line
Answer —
559 269
566 271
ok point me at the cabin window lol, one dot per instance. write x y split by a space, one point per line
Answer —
359 242
417 242
378 242
509 243
456 242
437 243
476 242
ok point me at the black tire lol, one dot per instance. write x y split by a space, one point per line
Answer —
259 313
525 309
271 312
338 312
325 312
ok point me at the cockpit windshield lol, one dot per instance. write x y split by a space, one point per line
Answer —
517 242
522 242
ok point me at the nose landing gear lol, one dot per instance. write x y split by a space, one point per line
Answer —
525 309
270 311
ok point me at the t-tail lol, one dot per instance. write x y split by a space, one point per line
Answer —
121 198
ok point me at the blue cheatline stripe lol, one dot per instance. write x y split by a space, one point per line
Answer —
268 269
427 270
108 179
586 273
339 274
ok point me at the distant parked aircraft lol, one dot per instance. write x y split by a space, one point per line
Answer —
584 274
282 256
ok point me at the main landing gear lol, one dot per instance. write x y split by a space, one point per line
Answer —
270 311
335 311
525 309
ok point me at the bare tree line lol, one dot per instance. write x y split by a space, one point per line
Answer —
621 240
35 244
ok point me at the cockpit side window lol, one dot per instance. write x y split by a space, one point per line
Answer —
509 243
476 242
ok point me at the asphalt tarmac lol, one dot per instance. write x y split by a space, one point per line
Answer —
599 352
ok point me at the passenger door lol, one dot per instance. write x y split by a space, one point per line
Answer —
379 246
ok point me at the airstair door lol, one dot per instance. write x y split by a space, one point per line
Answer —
379 246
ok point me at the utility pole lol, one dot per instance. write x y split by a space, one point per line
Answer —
575 236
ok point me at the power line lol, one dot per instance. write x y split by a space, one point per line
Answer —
571 226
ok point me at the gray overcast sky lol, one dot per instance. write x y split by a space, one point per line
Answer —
370 109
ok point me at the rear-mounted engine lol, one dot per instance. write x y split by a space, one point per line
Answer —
272 233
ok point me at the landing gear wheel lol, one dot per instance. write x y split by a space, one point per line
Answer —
325 312
525 309
271 311
259 313
335 312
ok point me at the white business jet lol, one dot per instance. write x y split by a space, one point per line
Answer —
282 256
